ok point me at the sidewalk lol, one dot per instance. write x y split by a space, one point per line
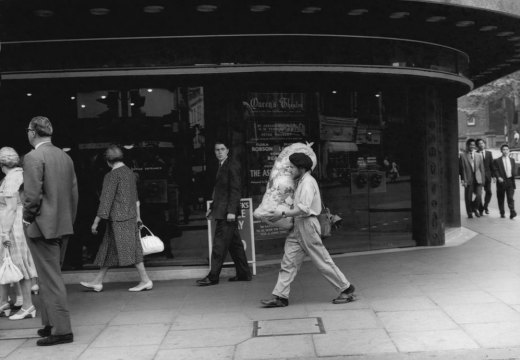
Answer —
458 302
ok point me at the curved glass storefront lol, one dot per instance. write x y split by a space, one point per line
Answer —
361 133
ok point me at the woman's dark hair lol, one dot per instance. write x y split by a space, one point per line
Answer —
113 154
300 160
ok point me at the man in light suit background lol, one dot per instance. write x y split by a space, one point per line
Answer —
51 199
505 169
225 209
472 176
488 167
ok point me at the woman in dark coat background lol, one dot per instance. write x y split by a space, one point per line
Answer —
119 205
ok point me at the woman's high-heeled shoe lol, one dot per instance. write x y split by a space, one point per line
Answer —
95 287
145 286
5 309
24 314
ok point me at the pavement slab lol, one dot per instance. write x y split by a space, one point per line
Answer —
208 353
352 342
147 352
200 338
131 335
276 347
414 341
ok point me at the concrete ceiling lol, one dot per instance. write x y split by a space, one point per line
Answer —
488 31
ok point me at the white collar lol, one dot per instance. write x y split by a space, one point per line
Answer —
43 142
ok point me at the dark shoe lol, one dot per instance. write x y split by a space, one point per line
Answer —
345 296
206 282
236 278
275 302
470 216
46 331
486 211
502 216
481 212
55 340
476 213
512 215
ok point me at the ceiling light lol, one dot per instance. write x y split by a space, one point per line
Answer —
334 92
149 90
488 28
73 98
29 94
311 10
132 104
513 38
44 13
153 9
99 11
103 96
259 8
357 12
505 33
83 106
464 23
207 8
434 19
66 149
399 15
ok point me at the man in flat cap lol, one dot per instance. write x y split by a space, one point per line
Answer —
304 238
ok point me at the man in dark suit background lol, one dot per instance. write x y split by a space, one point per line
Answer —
225 209
488 167
505 169
51 199
472 176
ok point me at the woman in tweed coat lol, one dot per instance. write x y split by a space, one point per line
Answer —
119 206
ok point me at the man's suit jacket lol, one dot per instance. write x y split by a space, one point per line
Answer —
51 192
227 191
500 171
466 171
488 164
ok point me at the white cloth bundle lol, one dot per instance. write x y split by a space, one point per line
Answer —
279 194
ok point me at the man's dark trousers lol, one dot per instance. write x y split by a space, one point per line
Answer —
506 189
227 236
47 255
487 197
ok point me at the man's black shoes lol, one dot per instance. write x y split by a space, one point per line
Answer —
236 278
502 216
512 215
55 340
275 302
206 282
46 331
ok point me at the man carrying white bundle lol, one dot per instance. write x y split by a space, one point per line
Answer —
304 238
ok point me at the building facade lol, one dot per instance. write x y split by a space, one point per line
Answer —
372 84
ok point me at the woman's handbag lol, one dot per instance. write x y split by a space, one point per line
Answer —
325 219
9 272
151 244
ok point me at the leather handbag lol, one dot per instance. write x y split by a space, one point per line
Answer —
151 244
9 272
325 219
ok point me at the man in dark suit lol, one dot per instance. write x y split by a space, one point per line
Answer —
488 167
225 209
51 199
504 169
472 176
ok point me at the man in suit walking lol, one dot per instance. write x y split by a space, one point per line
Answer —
51 198
505 169
488 167
225 209
472 176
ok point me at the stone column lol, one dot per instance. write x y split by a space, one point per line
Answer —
428 145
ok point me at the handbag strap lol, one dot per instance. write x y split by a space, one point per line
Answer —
146 228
